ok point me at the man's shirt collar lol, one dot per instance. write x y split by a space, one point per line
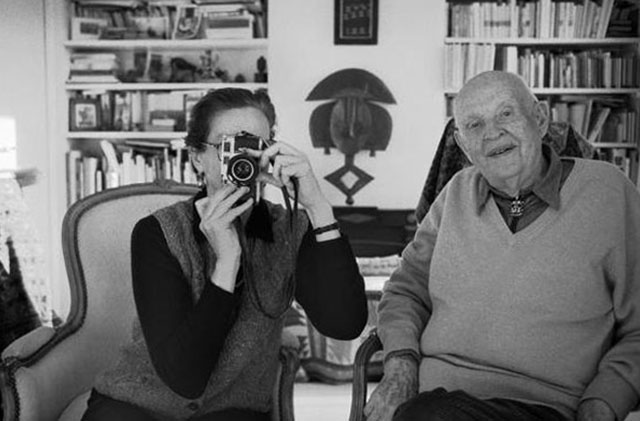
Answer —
546 189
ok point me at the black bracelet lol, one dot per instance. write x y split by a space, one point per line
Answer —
326 228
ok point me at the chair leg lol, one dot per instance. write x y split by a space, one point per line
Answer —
289 363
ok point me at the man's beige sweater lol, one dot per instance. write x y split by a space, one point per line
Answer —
548 315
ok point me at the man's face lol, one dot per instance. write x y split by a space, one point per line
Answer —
500 129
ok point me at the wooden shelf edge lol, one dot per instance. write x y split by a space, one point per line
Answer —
70 86
543 41
126 135
571 91
614 145
230 43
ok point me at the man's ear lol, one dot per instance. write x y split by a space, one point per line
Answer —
460 141
196 160
542 116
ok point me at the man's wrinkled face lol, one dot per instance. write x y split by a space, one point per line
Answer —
500 129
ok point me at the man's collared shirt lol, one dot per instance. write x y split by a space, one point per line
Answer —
545 192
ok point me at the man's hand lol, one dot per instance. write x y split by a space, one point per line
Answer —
595 410
399 383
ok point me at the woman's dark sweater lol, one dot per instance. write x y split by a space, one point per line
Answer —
184 338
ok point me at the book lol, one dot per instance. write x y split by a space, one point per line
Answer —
73 158
112 168
595 131
89 168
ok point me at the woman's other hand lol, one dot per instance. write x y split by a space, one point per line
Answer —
217 212
289 163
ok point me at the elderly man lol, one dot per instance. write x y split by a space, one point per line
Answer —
519 297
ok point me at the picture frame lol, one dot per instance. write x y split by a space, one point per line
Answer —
356 22
187 22
83 28
152 27
84 114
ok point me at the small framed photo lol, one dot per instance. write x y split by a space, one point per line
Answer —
152 27
87 28
84 114
187 24
356 22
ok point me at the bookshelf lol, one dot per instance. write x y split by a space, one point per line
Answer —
581 57
128 90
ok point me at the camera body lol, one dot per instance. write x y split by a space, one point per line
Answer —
237 166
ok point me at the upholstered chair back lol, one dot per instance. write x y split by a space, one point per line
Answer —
96 244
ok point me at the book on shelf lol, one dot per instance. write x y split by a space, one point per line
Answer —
164 19
72 166
607 119
537 19
93 68
244 2
142 110
463 61
620 158
595 131
227 21
624 19
594 68
132 161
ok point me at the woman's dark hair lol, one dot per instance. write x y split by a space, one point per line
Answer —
219 100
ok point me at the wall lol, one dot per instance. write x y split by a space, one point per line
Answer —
408 58
23 96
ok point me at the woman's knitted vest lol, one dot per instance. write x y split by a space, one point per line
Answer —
245 374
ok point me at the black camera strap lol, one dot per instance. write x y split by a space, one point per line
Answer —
290 282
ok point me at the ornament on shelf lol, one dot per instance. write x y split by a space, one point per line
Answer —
261 75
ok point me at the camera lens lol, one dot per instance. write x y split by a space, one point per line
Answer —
242 170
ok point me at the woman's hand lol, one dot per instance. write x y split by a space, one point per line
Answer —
217 212
289 163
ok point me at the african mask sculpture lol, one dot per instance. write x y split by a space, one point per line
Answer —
350 122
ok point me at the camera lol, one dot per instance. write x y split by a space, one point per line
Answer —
237 166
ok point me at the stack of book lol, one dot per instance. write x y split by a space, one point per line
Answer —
143 110
134 161
227 21
163 19
93 68
624 19
462 61
530 19
542 68
605 119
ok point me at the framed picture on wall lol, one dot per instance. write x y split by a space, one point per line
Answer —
356 22
84 114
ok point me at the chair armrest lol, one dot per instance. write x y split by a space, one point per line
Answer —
283 402
28 343
359 391
39 378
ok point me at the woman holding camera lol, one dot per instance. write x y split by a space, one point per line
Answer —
214 275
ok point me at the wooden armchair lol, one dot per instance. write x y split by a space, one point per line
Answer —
359 388
48 373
